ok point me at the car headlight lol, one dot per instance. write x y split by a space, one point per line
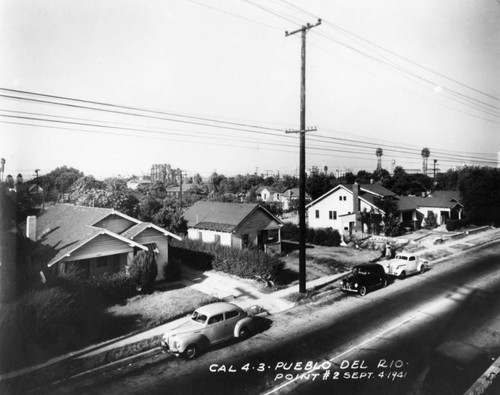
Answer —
355 285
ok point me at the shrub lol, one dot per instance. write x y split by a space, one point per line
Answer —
114 287
247 263
322 236
31 326
172 269
454 224
430 221
143 270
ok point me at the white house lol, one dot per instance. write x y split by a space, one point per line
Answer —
268 194
339 208
237 225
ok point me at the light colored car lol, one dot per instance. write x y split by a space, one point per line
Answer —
206 326
404 264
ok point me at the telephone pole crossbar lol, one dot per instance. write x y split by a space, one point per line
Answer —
302 166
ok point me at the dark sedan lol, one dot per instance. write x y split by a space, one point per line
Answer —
364 277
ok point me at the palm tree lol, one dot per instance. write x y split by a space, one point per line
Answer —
425 155
379 152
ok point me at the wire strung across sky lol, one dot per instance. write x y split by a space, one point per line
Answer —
327 143
452 94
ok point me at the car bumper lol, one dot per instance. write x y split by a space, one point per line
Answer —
166 349
348 289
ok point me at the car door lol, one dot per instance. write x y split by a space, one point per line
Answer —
412 264
215 329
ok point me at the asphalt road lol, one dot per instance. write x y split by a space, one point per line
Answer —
380 343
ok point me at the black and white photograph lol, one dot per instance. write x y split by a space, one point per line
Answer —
259 197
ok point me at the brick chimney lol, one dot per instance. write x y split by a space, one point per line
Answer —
31 227
355 205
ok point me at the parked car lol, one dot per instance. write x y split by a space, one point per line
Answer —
206 326
404 264
365 277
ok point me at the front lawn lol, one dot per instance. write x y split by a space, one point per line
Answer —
324 261
160 306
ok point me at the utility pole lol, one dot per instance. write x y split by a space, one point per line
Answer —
302 157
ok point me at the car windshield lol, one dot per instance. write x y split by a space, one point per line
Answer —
404 257
198 317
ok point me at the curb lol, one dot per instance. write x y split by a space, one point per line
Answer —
490 376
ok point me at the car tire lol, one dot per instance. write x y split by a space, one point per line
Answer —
191 351
422 269
384 282
244 333
362 290
402 275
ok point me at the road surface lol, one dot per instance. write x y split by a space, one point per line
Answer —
379 343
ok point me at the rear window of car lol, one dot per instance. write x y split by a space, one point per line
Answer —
232 314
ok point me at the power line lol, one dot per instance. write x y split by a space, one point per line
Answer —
393 52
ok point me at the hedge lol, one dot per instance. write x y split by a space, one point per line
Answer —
454 224
247 263
322 236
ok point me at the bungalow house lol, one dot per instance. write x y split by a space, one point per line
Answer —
268 194
339 208
93 240
237 225
415 209
290 196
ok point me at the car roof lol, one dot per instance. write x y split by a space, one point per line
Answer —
217 308
367 266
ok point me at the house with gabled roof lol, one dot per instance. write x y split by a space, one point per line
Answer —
93 240
339 208
290 196
237 225
268 194
444 205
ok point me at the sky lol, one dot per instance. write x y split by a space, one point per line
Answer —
112 87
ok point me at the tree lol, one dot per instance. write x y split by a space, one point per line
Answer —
430 221
479 188
320 183
364 177
425 156
379 152
143 270
59 181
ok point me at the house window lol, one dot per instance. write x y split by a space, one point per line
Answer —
217 239
340 197
317 213
102 261
200 236
345 197
332 215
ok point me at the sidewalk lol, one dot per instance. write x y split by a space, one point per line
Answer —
244 293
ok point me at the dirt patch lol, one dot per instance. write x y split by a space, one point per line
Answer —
324 261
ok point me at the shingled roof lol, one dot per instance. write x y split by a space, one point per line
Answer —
224 217
63 228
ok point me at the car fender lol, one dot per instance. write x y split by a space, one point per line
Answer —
247 321
192 338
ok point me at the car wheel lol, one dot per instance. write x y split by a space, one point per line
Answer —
244 333
191 351
384 282
422 269
402 275
362 291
